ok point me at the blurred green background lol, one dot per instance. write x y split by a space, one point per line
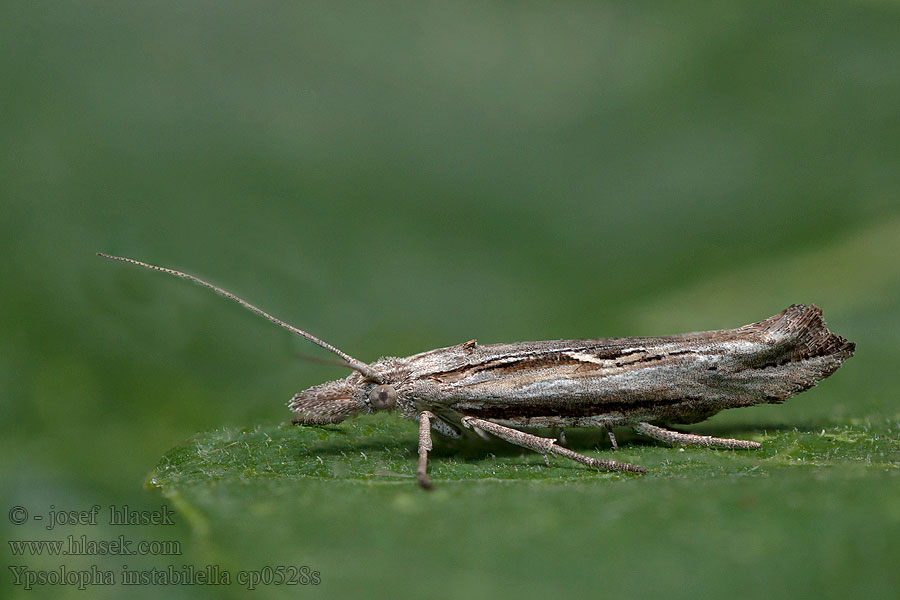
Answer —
396 177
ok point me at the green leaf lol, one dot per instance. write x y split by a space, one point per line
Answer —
343 501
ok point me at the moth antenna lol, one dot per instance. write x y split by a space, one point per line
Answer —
351 362
320 361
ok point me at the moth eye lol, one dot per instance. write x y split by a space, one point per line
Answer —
383 396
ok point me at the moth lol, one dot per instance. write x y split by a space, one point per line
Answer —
646 383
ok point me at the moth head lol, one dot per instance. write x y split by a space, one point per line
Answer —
383 397
330 402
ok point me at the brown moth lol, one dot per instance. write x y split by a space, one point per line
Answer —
645 383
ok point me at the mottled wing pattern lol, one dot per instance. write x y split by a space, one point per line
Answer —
680 378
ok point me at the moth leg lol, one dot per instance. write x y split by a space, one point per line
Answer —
424 446
689 439
481 433
612 438
546 446
441 426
